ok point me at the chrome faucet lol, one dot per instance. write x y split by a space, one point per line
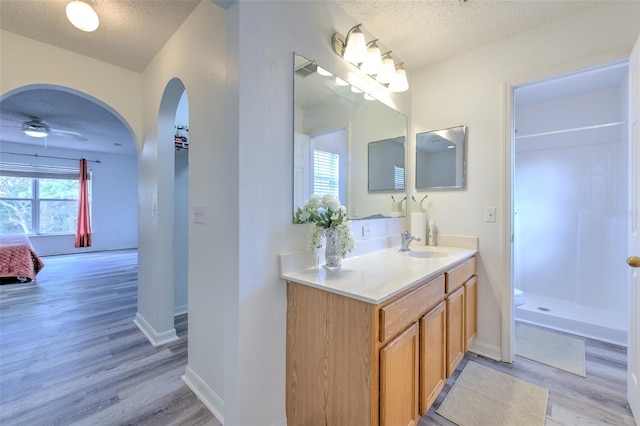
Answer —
406 239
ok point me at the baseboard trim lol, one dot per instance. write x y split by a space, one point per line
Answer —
156 339
486 350
204 393
180 310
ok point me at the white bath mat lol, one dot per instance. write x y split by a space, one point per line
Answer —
550 348
481 396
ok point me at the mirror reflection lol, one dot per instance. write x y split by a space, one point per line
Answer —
334 123
440 158
386 165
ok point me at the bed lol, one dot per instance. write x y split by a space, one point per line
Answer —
18 261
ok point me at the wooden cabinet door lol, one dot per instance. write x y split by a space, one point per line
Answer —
470 312
399 379
455 329
433 355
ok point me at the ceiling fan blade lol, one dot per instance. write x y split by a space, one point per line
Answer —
70 133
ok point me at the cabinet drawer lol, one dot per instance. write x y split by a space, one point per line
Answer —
460 274
399 314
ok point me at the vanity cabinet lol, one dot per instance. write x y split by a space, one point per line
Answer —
433 355
455 329
399 368
354 362
470 312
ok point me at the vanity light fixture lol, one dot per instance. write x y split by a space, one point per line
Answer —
355 47
354 89
366 56
399 82
82 16
341 82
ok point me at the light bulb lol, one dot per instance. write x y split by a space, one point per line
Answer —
373 60
388 69
399 82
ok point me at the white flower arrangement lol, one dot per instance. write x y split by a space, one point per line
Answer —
327 213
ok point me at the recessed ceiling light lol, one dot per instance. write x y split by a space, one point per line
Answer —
82 16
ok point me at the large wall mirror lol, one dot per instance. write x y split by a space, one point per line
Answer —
440 159
334 125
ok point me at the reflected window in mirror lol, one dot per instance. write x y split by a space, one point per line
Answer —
323 111
440 159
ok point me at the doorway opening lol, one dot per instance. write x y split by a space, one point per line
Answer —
181 214
570 190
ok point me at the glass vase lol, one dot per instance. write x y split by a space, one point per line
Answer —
333 261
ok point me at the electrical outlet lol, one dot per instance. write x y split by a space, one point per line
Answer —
354 211
489 214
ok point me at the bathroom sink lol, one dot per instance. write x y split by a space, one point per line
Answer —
425 254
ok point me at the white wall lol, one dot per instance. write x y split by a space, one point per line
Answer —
469 89
263 37
195 58
114 184
116 87
570 193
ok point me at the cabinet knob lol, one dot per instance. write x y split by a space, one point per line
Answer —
634 261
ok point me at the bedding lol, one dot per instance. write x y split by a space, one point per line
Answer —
18 260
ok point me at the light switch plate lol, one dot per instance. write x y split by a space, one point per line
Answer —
199 215
489 214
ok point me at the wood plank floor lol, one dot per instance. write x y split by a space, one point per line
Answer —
600 398
70 354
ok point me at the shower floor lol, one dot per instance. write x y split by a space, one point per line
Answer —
573 318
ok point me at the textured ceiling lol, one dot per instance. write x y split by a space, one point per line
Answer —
101 131
129 35
132 31
425 32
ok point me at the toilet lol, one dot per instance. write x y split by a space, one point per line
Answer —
518 297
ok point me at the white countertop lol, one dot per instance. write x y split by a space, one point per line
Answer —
375 277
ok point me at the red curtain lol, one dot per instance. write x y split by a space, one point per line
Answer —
83 233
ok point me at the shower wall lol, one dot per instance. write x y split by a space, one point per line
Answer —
570 199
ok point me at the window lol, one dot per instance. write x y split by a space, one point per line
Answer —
328 160
38 200
326 176
398 177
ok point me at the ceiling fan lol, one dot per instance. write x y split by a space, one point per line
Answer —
34 127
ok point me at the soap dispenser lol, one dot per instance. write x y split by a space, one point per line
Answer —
432 233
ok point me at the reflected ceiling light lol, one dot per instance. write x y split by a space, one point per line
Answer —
366 56
399 82
82 16
354 89
341 82
323 72
369 97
